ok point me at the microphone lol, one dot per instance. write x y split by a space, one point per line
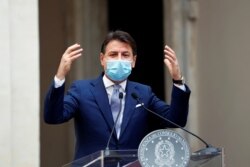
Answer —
116 120
205 153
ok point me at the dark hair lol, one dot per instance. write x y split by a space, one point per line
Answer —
120 36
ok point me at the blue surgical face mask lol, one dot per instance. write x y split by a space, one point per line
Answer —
118 70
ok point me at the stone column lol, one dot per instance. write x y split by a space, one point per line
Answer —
90 28
180 33
19 83
63 23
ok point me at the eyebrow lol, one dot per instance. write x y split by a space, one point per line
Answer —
118 52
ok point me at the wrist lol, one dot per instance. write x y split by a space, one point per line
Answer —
60 76
180 81
58 82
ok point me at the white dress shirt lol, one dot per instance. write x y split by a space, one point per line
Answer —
109 88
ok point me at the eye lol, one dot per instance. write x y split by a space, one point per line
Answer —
126 54
113 54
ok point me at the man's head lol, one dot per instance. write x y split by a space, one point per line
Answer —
119 36
118 55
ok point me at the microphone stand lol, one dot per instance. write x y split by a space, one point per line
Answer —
205 153
113 128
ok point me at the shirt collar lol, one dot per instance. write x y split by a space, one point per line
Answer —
108 83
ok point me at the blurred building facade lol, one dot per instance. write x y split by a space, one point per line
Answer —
209 37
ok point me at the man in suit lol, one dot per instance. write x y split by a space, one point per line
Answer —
90 103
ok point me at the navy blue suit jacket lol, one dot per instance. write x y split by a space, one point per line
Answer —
87 102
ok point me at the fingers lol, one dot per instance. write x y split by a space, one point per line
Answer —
169 54
172 63
73 52
167 48
73 48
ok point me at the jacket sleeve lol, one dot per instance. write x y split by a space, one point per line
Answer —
176 111
179 107
56 108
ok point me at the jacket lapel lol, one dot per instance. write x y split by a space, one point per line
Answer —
129 108
102 101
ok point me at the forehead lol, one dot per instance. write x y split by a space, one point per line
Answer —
116 45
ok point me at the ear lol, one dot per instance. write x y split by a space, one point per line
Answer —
102 58
134 60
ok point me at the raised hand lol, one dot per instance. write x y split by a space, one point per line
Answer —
71 54
172 63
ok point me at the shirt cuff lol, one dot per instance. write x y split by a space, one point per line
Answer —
58 82
182 87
